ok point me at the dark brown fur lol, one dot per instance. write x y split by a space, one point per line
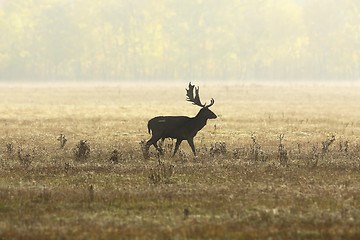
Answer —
180 127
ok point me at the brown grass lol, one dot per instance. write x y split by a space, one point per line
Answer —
235 188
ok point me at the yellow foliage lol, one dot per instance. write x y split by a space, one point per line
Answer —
178 39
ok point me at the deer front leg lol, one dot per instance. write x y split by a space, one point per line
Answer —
191 143
177 144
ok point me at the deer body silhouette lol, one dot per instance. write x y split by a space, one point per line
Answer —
180 127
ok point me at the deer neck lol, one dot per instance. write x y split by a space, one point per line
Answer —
200 121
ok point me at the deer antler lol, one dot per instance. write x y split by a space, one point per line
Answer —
196 100
190 95
212 101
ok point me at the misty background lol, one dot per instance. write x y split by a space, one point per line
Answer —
47 40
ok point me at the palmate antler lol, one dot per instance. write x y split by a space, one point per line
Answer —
196 100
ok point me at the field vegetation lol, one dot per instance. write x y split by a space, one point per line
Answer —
281 161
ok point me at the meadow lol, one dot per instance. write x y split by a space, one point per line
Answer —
281 161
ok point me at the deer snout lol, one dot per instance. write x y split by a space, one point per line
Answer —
213 116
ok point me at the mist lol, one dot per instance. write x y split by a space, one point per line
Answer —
170 40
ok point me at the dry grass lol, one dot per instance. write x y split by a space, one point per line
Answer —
267 167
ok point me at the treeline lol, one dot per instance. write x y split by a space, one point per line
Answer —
179 39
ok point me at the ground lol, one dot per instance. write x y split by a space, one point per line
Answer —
281 161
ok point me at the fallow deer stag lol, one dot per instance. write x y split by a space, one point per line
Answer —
180 127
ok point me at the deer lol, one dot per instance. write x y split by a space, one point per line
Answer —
180 127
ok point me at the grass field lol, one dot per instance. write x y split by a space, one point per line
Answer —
280 161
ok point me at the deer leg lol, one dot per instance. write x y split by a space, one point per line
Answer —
191 143
158 148
177 144
153 140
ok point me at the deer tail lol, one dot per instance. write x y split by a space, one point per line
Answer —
149 128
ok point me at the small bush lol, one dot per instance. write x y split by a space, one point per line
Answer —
256 153
115 156
217 149
9 148
62 139
25 159
161 173
282 152
326 144
82 150
144 149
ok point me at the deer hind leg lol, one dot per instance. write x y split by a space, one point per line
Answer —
191 143
158 148
177 144
153 141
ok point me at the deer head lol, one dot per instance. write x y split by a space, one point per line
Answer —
205 111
